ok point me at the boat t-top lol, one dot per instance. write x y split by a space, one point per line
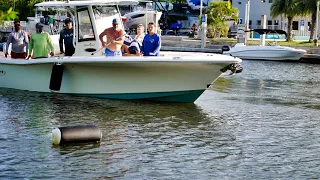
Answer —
176 76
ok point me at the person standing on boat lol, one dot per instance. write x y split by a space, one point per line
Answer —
114 39
39 43
66 35
152 42
130 47
56 26
19 40
51 20
140 34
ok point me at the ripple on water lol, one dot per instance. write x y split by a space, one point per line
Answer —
260 124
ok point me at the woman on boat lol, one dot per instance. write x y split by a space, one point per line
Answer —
140 34
130 47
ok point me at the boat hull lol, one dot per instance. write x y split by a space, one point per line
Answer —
277 53
115 78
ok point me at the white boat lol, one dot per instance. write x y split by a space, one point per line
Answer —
141 16
175 77
279 53
270 52
196 4
60 16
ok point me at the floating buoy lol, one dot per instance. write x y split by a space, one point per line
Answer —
76 134
56 77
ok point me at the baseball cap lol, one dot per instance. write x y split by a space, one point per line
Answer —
67 21
39 25
115 21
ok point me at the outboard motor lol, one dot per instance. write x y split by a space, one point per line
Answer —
225 48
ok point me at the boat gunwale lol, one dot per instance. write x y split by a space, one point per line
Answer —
84 60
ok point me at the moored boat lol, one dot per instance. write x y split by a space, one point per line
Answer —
141 16
262 52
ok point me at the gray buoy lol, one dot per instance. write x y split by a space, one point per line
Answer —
75 134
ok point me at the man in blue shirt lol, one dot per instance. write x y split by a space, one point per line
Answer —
66 35
152 42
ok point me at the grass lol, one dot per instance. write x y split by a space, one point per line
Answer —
271 41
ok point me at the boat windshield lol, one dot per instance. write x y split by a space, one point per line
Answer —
85 26
104 11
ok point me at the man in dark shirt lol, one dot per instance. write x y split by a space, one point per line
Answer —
66 35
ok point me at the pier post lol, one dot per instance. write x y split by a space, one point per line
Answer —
203 31
247 22
263 26
315 40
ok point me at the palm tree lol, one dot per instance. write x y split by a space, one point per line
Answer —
307 8
218 14
289 8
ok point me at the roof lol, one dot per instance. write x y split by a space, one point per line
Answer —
268 31
85 3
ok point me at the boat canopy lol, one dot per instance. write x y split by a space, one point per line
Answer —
268 31
86 3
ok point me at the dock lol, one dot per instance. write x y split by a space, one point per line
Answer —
185 44
310 58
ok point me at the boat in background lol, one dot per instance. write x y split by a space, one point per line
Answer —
60 16
141 15
270 52
195 5
175 77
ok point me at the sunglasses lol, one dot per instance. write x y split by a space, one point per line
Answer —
17 25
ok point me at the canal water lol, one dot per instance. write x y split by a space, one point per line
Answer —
261 124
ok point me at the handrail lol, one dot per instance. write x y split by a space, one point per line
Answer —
74 27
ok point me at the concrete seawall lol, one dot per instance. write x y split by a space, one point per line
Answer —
183 43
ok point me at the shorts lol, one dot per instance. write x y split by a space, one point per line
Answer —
113 53
69 51
18 55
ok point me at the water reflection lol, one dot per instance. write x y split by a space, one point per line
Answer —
260 124
135 133
288 84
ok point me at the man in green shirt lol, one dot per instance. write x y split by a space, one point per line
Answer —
40 42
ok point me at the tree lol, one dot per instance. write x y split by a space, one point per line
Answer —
25 8
218 13
289 8
8 15
309 8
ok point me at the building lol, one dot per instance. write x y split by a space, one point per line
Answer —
301 25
